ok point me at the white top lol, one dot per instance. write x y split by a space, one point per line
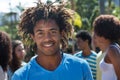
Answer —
3 75
99 58
108 72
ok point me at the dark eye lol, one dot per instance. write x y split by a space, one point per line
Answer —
40 34
53 32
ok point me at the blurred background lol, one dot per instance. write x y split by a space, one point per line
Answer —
86 12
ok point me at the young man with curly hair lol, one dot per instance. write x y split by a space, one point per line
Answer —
49 27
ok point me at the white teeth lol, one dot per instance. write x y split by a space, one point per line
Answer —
48 45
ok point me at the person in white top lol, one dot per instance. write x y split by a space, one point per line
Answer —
107 35
5 54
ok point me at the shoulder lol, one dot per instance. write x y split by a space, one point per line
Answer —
113 51
78 53
94 53
23 71
23 63
73 59
75 62
114 47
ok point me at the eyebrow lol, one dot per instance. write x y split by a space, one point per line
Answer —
39 30
54 29
50 29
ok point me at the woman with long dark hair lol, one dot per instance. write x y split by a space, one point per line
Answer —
5 54
18 55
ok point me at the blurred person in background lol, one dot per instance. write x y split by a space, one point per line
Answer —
18 55
5 54
84 40
107 35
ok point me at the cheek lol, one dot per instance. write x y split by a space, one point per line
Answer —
97 42
57 38
17 54
94 41
79 44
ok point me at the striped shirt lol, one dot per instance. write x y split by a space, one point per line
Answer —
91 59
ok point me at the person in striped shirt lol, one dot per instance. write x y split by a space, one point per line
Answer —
84 40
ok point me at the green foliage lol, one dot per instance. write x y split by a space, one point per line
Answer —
4 28
20 7
116 12
12 31
86 7
112 8
109 7
88 10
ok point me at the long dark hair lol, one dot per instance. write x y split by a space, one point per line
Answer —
15 62
5 50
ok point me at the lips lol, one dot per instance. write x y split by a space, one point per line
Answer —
50 44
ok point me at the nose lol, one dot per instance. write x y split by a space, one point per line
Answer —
23 52
47 37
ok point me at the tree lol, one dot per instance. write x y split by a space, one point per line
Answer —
88 10
102 6
116 12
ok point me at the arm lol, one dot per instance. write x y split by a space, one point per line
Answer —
114 56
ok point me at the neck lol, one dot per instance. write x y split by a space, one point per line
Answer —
50 62
86 52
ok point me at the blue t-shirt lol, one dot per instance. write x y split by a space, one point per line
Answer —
70 68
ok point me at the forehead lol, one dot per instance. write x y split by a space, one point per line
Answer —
20 45
79 39
46 24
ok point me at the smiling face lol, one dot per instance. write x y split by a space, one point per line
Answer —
47 37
